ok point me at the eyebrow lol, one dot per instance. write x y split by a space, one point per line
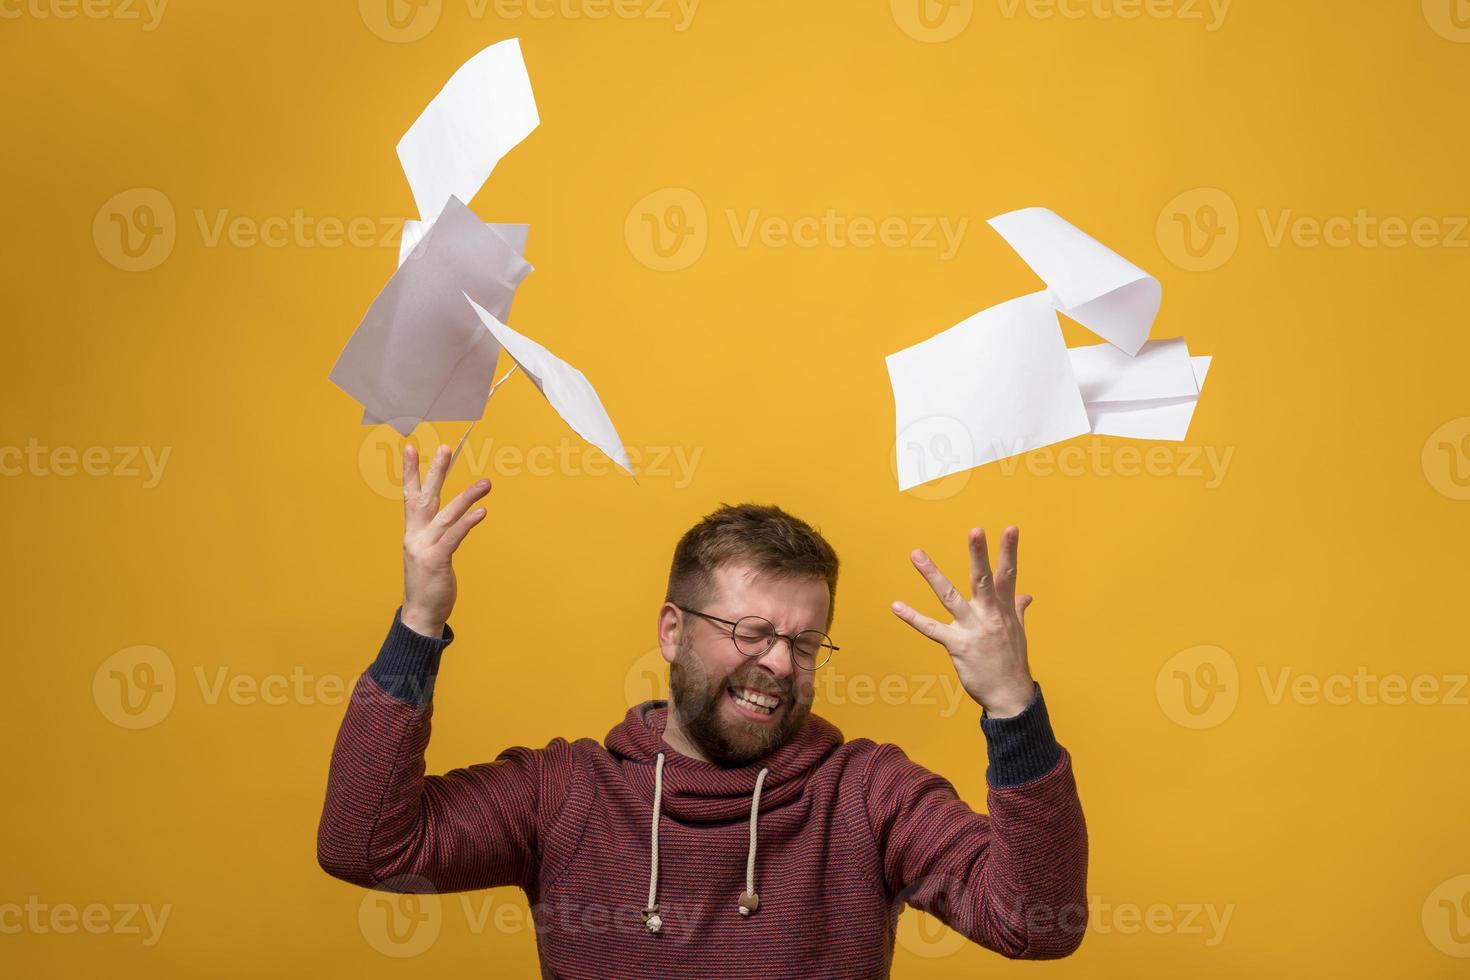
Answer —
806 629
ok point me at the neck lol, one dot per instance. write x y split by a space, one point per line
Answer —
677 740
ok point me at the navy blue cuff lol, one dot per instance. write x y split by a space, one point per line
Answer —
1022 748
408 662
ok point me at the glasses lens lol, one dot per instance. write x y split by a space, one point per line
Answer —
811 649
753 635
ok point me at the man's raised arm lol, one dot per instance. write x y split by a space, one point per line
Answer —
1014 881
384 823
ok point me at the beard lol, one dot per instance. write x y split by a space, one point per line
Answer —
699 696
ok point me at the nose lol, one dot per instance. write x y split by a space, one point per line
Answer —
783 665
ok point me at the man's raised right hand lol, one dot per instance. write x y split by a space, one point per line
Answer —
430 537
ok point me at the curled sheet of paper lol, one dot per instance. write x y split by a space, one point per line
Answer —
421 353
515 236
482 112
1091 283
998 384
564 387
1160 418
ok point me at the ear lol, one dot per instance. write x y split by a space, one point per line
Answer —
668 631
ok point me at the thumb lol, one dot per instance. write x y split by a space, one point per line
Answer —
1022 601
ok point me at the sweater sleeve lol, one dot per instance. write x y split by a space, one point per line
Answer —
1014 881
386 824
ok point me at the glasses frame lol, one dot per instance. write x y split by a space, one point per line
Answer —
790 640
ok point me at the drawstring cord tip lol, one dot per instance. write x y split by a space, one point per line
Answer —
749 902
651 919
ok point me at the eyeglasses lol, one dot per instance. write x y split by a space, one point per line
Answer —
754 636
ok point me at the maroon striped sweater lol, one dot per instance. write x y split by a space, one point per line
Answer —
846 834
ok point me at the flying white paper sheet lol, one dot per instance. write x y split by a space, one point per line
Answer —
482 112
420 352
414 231
515 236
566 388
1091 283
1161 370
998 384
1164 418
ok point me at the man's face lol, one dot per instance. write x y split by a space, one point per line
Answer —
707 670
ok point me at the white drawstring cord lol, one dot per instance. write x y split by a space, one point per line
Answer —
750 901
650 914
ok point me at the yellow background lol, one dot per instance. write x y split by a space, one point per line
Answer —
1333 544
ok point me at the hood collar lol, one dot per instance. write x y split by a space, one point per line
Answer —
703 792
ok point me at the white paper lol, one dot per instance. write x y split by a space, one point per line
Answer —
565 387
1090 282
998 384
420 352
1161 370
482 112
1165 419
515 236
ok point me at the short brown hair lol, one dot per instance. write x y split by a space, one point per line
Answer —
765 537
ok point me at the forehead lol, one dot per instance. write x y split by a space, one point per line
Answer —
793 604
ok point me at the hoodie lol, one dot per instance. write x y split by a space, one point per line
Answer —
640 862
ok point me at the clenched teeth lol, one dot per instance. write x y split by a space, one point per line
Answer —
755 700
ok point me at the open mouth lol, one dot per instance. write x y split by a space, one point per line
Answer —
754 704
